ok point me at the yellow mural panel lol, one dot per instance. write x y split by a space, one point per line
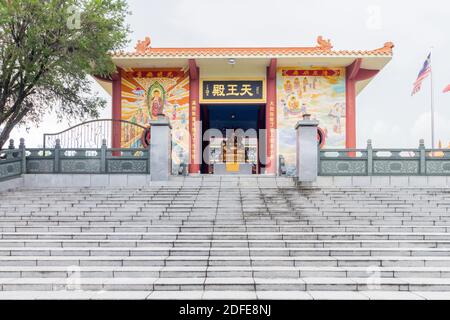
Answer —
316 91
145 94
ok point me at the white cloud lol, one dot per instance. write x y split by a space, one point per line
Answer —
382 134
422 128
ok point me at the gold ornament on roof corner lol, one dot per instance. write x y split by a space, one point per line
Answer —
142 46
324 44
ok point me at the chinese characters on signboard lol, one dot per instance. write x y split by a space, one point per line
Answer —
311 73
229 90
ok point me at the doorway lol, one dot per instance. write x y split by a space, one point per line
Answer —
231 134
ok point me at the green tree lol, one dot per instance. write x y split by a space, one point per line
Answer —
48 49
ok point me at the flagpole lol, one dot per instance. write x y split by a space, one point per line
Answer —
432 99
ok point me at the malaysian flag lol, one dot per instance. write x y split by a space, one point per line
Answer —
447 89
424 72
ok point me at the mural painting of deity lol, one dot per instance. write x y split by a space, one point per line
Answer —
337 112
288 86
293 104
174 113
296 84
305 84
309 91
156 103
156 99
147 94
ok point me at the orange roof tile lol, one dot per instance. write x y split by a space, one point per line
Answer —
323 48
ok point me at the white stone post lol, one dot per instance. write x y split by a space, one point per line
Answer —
103 152
423 157
23 154
160 149
307 149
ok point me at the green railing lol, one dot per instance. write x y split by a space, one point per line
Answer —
332 162
14 162
369 161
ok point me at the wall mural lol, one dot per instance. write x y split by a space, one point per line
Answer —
317 91
147 93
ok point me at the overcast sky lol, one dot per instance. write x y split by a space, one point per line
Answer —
386 112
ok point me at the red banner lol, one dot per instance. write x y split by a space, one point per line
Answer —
311 73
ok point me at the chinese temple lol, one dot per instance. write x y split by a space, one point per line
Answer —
207 92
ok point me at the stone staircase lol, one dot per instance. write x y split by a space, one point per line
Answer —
218 237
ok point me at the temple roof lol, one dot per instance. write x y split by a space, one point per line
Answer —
322 48
252 61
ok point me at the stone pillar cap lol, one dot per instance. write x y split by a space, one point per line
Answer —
307 122
161 121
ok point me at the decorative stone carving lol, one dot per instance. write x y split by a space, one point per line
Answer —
388 167
387 48
340 167
40 166
143 46
10 169
438 167
324 44
80 166
127 166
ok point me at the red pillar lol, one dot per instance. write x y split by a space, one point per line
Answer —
116 108
353 74
271 117
350 113
194 117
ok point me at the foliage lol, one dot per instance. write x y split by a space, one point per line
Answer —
48 49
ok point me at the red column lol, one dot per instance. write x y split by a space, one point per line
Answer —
271 118
194 118
350 113
116 108
353 74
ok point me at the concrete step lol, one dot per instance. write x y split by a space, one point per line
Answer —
290 245
225 284
87 249
224 295
227 236
218 235
139 228
221 272
230 261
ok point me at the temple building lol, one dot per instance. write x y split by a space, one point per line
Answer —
208 91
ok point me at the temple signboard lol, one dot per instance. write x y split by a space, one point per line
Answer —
232 91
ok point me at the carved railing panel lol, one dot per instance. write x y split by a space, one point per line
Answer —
103 160
10 163
336 162
127 160
39 161
79 160
437 162
371 161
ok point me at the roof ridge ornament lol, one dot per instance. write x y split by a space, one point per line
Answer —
324 44
143 46
387 47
